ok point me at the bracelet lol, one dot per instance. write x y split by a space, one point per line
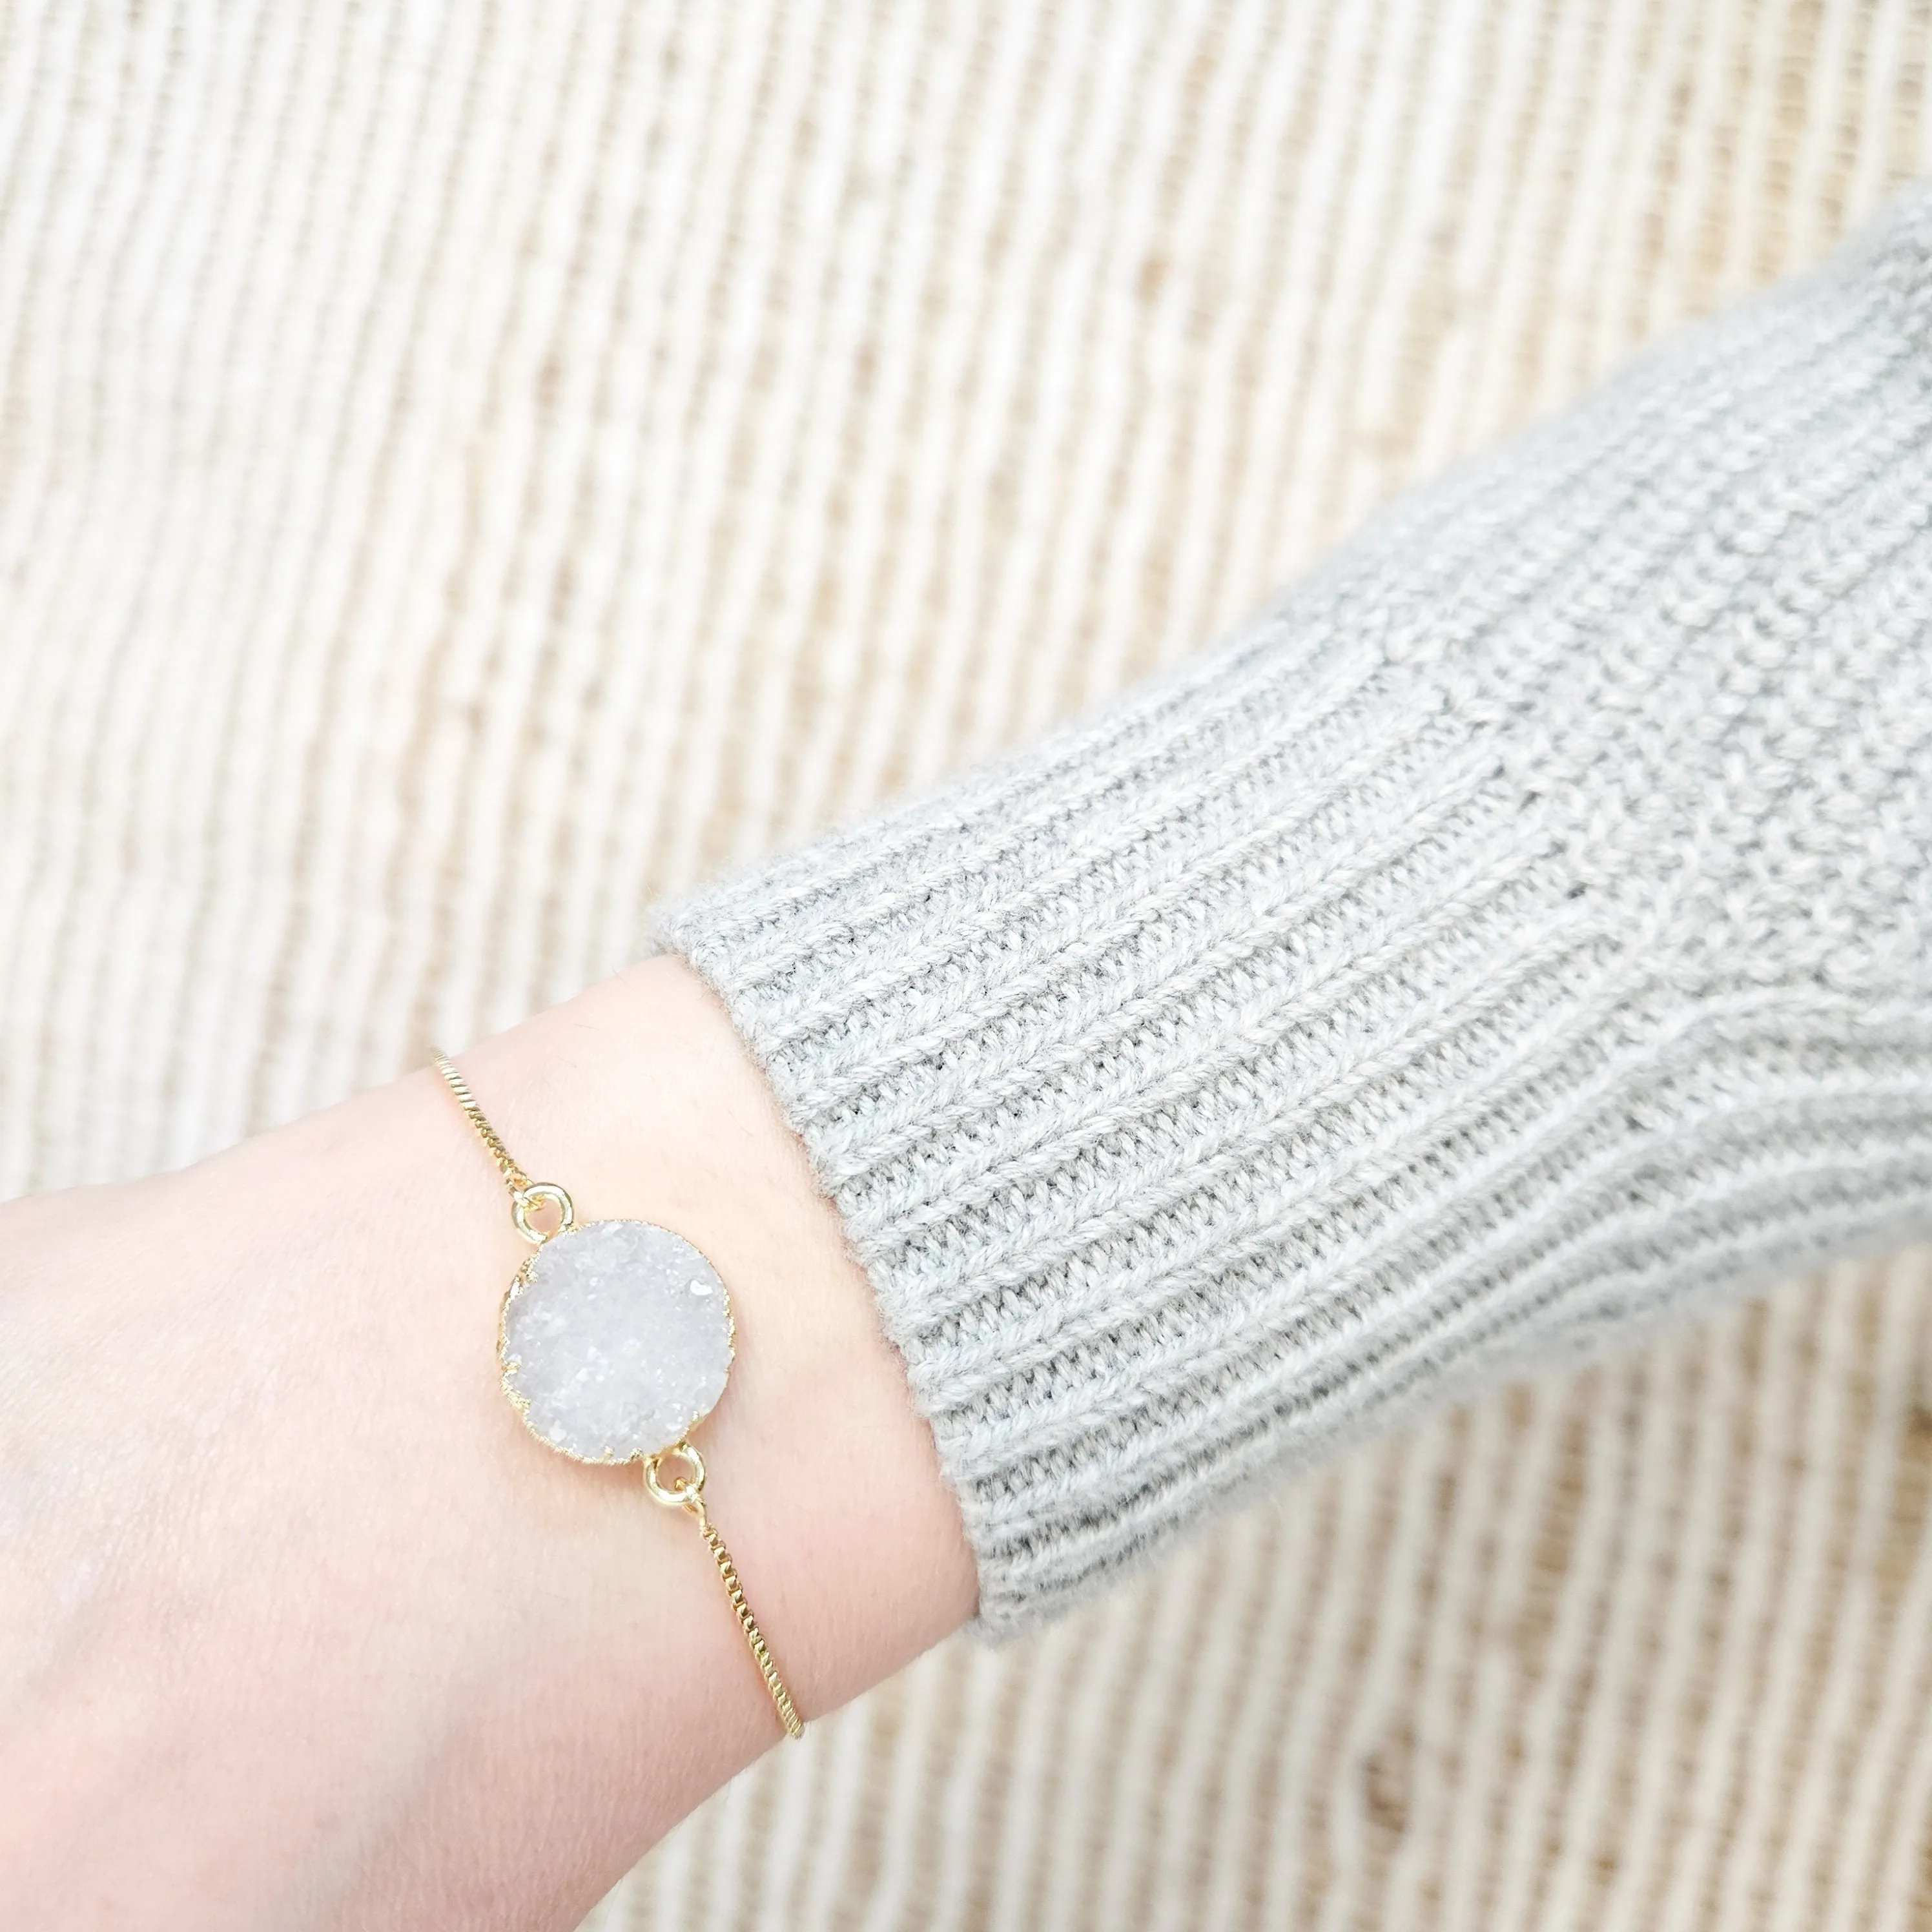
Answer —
614 1338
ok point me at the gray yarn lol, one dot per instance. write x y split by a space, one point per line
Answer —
1522 934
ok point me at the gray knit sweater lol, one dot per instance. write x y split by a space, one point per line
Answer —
1522 932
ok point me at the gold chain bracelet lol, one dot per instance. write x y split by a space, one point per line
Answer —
615 1338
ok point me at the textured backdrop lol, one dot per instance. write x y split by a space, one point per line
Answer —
466 470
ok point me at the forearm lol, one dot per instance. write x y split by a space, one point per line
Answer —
309 1630
1518 936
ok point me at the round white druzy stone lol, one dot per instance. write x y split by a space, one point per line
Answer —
617 1339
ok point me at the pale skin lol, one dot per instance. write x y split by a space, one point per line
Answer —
301 1628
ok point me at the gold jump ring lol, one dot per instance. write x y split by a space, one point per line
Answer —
524 1198
684 1495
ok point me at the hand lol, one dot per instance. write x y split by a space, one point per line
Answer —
299 1626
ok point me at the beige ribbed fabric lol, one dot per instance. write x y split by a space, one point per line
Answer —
466 472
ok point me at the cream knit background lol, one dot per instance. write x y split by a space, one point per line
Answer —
467 469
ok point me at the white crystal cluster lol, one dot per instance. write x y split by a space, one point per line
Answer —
619 1341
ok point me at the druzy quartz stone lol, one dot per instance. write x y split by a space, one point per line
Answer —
616 1340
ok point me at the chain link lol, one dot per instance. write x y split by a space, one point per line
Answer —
687 1494
514 1178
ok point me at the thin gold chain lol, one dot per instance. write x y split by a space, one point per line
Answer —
514 1178
687 1494
761 1654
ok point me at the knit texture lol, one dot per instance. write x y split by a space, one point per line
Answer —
1520 934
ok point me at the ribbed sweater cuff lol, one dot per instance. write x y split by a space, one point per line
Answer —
1520 933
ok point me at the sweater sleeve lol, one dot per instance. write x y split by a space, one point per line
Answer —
1521 933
